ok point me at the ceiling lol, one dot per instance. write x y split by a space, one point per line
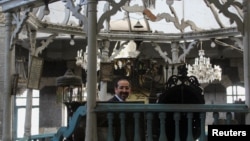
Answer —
163 22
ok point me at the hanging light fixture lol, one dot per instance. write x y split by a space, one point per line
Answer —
70 87
138 25
72 41
46 10
203 70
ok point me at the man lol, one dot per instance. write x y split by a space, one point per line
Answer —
122 88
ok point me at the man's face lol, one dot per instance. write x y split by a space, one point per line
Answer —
123 90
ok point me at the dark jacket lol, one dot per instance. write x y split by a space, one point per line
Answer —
114 99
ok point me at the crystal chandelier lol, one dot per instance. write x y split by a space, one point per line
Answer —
203 70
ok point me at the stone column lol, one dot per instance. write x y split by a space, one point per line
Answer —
2 58
8 71
105 58
246 55
28 113
175 56
91 126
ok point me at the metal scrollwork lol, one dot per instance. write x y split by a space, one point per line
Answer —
182 79
20 21
107 14
76 12
224 8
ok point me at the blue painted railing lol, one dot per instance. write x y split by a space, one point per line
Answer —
66 132
119 111
41 137
161 109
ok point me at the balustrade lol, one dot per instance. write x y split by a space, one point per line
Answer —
144 118
146 113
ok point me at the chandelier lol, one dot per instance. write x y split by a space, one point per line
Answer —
203 70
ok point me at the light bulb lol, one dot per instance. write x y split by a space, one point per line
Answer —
72 42
170 2
46 10
213 44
